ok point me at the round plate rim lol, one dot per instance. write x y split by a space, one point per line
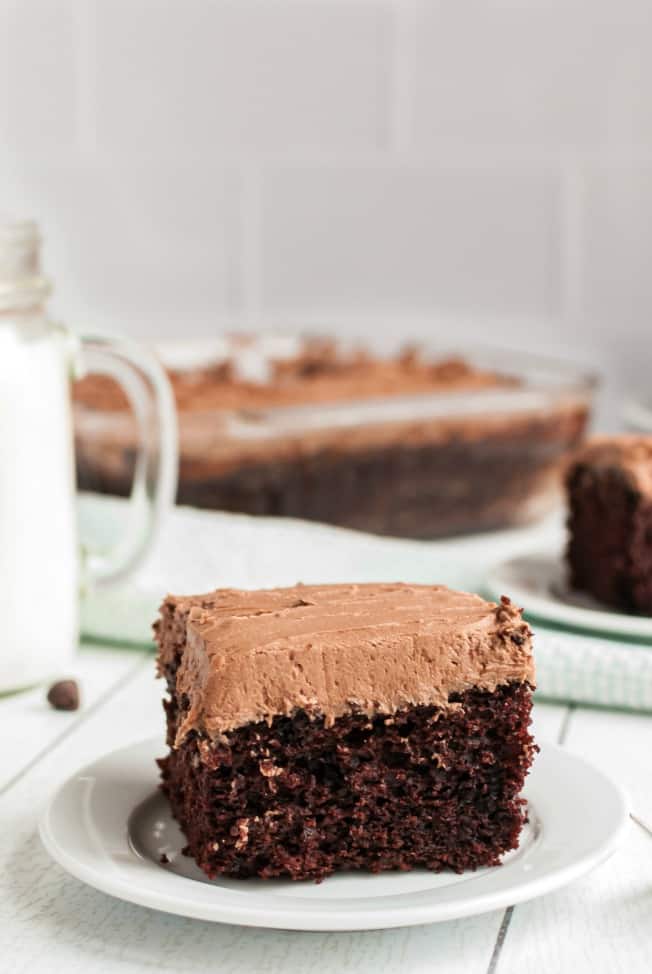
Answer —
540 600
323 915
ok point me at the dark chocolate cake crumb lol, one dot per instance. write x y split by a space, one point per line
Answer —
425 788
609 552
64 695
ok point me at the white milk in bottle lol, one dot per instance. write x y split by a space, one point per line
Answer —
39 557
38 546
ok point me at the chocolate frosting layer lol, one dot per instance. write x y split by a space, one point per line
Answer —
318 373
247 656
631 454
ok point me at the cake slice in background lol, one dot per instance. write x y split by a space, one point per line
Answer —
609 489
323 728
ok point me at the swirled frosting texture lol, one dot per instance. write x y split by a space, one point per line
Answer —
252 655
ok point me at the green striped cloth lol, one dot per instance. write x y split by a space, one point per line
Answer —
592 669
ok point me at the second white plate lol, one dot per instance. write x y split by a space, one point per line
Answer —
538 583
109 826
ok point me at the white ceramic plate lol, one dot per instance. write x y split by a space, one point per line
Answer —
538 583
109 826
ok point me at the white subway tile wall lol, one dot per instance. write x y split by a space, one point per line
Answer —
533 75
332 238
208 78
38 42
478 169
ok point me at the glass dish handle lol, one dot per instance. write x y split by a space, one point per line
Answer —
155 475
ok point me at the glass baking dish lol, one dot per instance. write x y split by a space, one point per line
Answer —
397 442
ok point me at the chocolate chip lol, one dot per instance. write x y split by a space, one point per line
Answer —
64 695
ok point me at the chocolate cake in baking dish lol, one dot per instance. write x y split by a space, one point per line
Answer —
609 489
418 447
323 728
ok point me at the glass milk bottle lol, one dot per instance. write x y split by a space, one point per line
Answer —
40 567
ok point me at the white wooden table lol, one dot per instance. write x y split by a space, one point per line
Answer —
50 922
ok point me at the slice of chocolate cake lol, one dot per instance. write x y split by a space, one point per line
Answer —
323 728
609 489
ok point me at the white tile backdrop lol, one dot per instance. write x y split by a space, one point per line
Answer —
474 168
